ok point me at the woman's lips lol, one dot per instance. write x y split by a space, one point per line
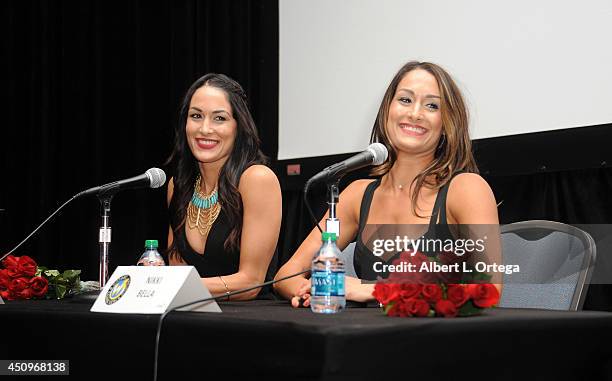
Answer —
206 143
412 129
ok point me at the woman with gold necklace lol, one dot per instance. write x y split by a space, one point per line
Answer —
224 203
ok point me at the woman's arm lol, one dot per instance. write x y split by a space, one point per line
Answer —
471 202
261 220
347 211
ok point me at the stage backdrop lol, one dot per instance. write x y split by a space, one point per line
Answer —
91 92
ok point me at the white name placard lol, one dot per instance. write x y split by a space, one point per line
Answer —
153 290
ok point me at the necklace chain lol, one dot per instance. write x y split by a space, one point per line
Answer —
203 209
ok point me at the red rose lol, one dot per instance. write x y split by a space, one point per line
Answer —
409 291
416 307
432 292
10 262
386 293
6 294
18 287
39 286
26 293
458 294
412 263
26 266
484 295
5 279
412 257
446 308
454 262
396 310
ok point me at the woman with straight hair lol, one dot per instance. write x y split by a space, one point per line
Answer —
430 179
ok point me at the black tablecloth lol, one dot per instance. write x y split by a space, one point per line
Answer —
269 339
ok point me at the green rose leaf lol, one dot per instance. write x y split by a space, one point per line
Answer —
60 291
51 273
469 309
388 307
71 275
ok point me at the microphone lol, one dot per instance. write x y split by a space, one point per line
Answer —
375 154
152 178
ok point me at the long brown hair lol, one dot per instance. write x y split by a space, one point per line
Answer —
454 151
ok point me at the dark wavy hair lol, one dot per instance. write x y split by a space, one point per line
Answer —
184 166
454 151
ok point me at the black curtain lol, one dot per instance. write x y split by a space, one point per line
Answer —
91 95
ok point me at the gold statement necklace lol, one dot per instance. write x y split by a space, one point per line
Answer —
203 209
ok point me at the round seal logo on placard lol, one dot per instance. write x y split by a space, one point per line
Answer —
116 291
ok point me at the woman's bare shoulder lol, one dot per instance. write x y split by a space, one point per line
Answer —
258 176
471 200
357 188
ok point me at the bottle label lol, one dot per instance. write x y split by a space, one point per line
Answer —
327 283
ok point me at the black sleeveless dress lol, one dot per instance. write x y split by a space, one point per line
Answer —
216 260
364 260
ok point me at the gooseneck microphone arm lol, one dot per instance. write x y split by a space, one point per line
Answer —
152 178
314 219
40 226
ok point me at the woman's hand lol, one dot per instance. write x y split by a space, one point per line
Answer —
356 291
302 294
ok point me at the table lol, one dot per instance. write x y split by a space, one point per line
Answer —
269 339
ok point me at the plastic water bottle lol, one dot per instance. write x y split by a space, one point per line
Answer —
151 257
327 278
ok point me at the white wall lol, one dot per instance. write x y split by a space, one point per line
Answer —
523 66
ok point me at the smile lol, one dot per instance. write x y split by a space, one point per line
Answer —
412 130
206 143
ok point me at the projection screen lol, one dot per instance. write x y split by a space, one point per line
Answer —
523 66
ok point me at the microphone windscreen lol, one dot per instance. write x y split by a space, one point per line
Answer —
380 153
156 176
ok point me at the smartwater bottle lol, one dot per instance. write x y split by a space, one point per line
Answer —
327 278
151 257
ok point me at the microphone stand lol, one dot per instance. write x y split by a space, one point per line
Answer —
332 224
104 238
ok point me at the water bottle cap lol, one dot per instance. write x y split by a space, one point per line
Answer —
327 236
151 243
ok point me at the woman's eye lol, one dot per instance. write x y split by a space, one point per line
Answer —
405 100
195 116
220 118
433 106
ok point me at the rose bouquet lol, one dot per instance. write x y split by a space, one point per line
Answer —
446 292
22 278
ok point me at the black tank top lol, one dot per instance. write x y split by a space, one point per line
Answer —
215 260
364 259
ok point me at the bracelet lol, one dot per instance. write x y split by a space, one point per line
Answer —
227 291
